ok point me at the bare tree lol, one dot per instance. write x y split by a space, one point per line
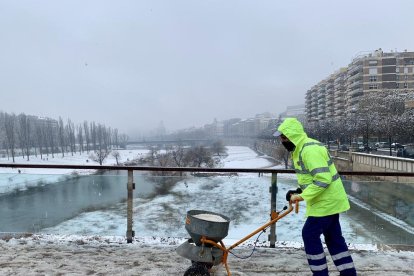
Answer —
218 148
117 156
87 135
70 134
61 136
51 138
100 137
163 159
9 121
405 127
80 138
99 156
2 133
93 135
108 137
282 154
40 139
24 134
115 138
123 139
199 156
178 154
152 154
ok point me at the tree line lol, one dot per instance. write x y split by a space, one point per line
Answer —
378 116
26 135
183 156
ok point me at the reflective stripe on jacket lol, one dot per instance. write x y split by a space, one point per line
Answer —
322 187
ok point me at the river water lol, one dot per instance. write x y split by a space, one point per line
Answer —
43 206
384 209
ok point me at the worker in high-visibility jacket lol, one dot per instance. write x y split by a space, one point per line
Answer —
322 189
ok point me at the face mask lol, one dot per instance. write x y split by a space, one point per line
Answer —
289 146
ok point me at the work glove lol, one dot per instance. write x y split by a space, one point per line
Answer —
291 192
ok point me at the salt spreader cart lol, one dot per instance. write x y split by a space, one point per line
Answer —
205 248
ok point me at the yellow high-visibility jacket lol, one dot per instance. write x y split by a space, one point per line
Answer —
317 176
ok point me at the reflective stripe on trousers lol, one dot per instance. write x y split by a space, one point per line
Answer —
330 227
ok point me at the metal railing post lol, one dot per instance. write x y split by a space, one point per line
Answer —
273 192
130 187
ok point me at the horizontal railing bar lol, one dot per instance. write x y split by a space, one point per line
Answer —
191 169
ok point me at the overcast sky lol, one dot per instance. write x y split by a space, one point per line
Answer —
132 64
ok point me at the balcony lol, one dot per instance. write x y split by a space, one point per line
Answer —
339 100
355 77
321 95
355 84
356 69
329 85
321 116
353 100
355 92
339 112
339 88
339 80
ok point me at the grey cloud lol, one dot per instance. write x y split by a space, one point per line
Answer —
132 64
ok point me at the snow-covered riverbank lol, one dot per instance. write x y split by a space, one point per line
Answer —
14 179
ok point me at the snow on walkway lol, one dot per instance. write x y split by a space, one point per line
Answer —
93 255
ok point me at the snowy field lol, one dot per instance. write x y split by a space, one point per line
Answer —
94 243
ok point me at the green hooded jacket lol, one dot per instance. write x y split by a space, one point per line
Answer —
317 176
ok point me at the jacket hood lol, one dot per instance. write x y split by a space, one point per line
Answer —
293 130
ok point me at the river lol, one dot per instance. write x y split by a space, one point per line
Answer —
42 206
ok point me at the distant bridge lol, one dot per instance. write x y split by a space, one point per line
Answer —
228 140
171 142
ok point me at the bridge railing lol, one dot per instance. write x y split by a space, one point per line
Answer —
273 189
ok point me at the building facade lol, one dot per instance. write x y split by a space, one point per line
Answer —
250 127
296 111
339 94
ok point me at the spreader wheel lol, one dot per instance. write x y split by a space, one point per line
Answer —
197 269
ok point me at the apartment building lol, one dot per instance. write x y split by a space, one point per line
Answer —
340 93
250 127
296 111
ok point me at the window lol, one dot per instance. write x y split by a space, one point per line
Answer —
373 62
373 86
405 70
397 77
405 77
373 71
405 85
372 78
397 85
397 70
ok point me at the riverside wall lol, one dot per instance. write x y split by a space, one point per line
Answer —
356 161
388 195
353 161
